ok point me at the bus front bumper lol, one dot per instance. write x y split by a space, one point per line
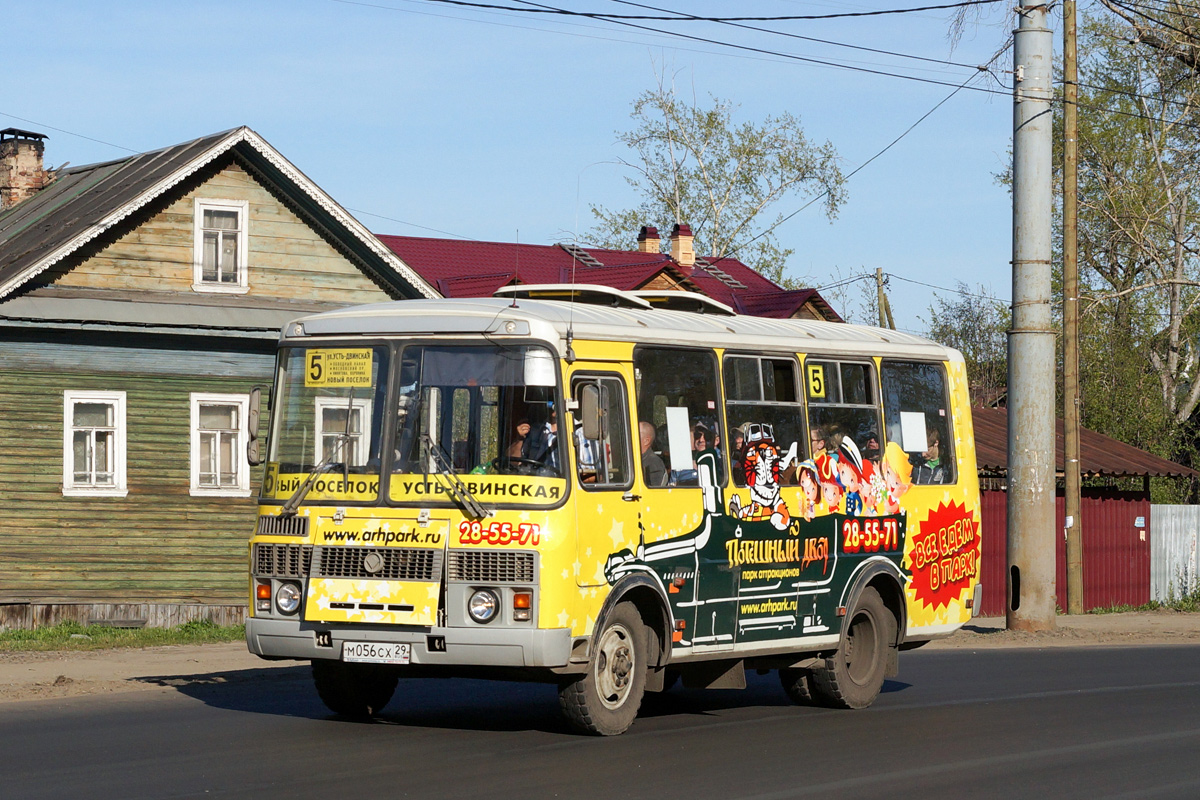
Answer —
482 647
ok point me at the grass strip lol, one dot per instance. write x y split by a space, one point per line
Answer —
73 636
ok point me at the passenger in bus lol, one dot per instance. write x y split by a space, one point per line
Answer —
870 449
816 438
654 471
928 467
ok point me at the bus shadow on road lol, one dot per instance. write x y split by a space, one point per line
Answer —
456 703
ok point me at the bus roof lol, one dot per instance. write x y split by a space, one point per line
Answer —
615 320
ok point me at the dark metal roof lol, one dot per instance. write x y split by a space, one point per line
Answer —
83 202
1099 455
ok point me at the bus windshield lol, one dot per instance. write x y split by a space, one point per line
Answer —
329 415
483 410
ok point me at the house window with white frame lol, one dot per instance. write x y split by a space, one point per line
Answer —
333 426
218 444
220 246
94 443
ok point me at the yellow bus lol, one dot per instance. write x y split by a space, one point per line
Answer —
613 492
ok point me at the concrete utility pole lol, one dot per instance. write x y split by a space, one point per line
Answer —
1071 477
1031 526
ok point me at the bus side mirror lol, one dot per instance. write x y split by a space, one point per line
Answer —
589 410
253 445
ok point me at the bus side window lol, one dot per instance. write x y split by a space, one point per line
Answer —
762 409
678 394
917 410
842 407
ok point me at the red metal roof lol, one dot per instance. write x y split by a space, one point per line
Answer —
1099 455
461 268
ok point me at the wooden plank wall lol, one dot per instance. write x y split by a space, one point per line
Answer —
159 544
287 258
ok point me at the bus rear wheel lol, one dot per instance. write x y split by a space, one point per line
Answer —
853 676
604 701
359 691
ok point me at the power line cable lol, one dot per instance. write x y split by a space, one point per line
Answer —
790 56
805 38
861 166
412 224
946 289
654 33
648 18
69 133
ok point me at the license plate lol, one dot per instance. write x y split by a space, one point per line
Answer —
377 652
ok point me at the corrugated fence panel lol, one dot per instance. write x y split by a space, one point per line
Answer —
1116 551
1174 563
995 558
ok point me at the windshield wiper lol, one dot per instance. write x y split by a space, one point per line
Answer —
293 502
458 489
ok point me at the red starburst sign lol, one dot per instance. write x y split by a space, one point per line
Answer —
946 554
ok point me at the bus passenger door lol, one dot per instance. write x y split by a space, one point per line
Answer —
605 500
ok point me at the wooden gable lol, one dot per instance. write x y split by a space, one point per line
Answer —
663 281
287 259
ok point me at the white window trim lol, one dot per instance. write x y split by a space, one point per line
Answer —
117 400
362 445
242 401
243 208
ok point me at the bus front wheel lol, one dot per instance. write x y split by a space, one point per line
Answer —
359 691
853 676
604 701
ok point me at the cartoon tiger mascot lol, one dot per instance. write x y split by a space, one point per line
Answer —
763 465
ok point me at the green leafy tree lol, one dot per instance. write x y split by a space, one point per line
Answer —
695 164
976 324
1139 234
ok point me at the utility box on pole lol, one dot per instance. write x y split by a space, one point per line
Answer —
1031 383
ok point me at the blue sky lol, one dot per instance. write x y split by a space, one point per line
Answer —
429 119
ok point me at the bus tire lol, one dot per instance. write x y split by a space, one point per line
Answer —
853 676
797 683
604 701
358 691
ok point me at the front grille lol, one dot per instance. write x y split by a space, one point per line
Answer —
490 566
283 526
397 564
282 560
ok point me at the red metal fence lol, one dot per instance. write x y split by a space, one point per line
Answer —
1116 550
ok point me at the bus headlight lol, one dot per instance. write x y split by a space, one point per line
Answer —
483 605
287 598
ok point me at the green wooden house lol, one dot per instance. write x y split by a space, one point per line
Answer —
140 300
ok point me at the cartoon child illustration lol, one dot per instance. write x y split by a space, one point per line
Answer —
897 477
762 467
810 483
831 489
850 475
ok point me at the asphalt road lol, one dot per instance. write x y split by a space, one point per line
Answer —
1061 723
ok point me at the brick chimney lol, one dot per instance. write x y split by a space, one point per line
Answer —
648 239
682 249
21 170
